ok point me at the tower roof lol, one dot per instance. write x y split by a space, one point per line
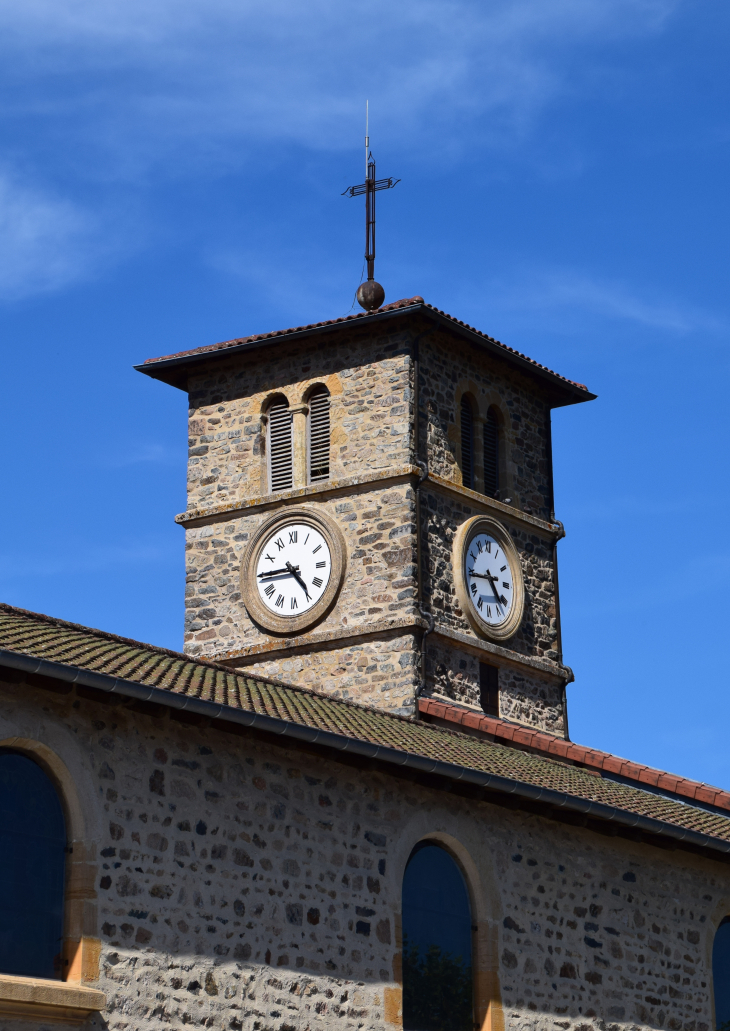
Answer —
174 368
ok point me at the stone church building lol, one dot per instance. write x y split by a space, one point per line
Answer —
353 802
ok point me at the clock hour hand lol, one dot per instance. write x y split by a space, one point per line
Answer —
274 572
492 580
293 570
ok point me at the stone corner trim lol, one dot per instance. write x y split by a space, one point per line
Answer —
57 1001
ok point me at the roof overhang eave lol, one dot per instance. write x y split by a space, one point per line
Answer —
553 800
174 370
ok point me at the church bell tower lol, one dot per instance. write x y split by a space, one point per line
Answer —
370 512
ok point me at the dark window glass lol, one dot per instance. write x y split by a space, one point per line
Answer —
437 982
489 688
467 443
32 864
721 975
491 455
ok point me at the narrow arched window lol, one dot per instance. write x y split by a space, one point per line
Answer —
721 975
491 454
318 435
437 961
280 446
467 443
32 869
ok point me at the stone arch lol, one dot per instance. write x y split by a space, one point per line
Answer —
492 402
81 944
466 846
468 435
720 918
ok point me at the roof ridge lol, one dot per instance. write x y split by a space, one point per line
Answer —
405 302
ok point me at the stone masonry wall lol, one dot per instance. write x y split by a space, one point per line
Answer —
379 671
369 383
371 413
536 701
448 367
379 587
242 884
537 634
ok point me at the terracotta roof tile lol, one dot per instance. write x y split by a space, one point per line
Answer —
345 319
593 758
31 634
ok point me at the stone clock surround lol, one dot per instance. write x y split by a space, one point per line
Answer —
368 647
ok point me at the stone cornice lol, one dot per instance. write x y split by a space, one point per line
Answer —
259 503
478 646
283 647
353 485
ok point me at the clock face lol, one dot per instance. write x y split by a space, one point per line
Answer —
489 579
293 569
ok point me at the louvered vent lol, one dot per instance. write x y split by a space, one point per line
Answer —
491 455
280 447
467 443
319 437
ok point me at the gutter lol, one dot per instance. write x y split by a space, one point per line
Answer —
354 746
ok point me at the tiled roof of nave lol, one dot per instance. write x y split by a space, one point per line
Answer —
43 637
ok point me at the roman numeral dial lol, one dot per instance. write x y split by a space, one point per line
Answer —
489 578
293 569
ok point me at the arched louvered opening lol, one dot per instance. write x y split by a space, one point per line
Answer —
491 454
437 943
32 869
721 975
467 443
280 446
318 444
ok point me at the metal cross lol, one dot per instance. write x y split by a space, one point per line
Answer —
369 188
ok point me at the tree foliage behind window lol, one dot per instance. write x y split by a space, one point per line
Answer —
437 963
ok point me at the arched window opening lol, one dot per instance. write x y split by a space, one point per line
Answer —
318 444
32 869
437 962
491 454
721 975
467 443
280 446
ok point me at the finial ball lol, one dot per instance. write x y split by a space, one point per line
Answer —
370 295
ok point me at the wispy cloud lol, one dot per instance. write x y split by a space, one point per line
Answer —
127 94
560 291
46 242
211 70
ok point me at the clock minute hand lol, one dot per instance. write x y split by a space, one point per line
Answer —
293 570
493 580
274 572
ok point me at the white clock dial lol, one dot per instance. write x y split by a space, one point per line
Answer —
488 578
293 569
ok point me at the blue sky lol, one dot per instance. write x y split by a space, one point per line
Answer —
170 175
